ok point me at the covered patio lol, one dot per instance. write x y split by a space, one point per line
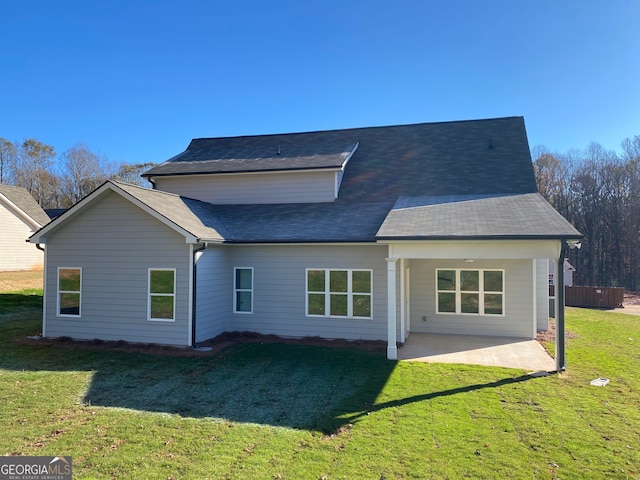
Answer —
521 353
474 265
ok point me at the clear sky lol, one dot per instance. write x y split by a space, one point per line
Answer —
136 80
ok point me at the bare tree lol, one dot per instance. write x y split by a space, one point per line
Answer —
131 173
599 192
32 170
83 172
8 153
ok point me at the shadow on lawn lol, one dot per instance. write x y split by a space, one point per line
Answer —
319 388
295 386
288 385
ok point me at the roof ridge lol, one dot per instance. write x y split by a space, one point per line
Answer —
369 127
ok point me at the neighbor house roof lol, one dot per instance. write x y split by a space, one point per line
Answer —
22 199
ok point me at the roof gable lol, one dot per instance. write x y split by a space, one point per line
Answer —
21 199
190 218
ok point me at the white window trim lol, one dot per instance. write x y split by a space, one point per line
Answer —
58 314
149 295
480 292
236 290
327 293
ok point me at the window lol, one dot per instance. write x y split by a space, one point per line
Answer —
162 294
339 293
470 292
243 290
69 291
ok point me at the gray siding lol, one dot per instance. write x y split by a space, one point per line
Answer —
213 296
518 319
15 253
279 290
299 187
115 243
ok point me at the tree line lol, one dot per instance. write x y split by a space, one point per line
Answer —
61 181
598 191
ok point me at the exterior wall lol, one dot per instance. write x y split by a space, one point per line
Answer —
213 292
568 272
115 243
15 252
542 291
280 286
247 188
518 319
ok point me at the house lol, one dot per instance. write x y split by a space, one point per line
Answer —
20 217
366 233
568 273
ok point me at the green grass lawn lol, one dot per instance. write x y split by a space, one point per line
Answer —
282 411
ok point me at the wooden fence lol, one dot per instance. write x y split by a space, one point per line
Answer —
594 297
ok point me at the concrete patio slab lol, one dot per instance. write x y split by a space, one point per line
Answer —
477 350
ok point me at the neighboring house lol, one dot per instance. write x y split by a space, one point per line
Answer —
366 233
568 273
20 217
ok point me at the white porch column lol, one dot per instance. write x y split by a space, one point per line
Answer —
392 349
403 293
535 298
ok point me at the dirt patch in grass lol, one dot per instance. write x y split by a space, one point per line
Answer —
216 344
550 335
20 280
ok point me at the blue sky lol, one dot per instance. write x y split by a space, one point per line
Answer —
136 80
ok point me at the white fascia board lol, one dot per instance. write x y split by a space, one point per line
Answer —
474 249
41 235
346 160
17 211
303 244
189 237
265 172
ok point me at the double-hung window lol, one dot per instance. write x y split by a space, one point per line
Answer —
339 293
162 294
243 290
470 292
69 291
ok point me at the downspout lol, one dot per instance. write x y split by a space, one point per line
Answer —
44 291
194 304
561 364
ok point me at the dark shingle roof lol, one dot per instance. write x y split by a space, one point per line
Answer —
23 200
475 216
194 216
55 212
253 154
471 179
311 222
466 157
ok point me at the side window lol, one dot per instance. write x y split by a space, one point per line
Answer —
339 293
162 294
243 290
69 291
